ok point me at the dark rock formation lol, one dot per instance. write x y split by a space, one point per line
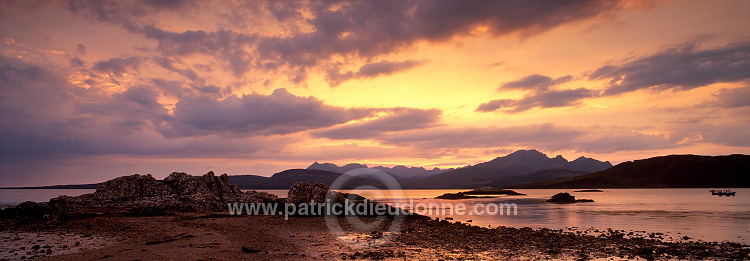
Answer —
211 188
482 192
132 187
303 192
144 195
566 198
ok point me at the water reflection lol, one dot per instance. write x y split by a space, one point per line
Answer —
675 212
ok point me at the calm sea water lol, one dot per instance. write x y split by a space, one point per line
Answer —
11 197
676 212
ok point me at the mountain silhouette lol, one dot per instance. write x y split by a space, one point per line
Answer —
519 167
287 178
398 171
673 171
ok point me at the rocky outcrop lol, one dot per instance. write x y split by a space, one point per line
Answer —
303 192
211 188
143 194
132 187
566 198
481 192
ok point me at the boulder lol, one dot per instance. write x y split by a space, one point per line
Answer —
566 198
562 198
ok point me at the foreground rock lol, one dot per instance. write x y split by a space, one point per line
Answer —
143 195
483 192
303 192
566 198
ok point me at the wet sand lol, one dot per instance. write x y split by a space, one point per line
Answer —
218 236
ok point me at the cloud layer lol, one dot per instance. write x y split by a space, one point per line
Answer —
364 30
680 68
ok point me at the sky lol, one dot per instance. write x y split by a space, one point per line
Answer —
95 89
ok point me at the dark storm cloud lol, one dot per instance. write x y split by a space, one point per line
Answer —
370 70
369 28
398 119
118 66
363 29
255 114
535 82
32 111
544 99
681 68
44 116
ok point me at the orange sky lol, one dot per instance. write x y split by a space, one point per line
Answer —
98 89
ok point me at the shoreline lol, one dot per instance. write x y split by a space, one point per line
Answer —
676 233
217 235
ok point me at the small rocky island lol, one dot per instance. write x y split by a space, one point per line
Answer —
566 198
483 192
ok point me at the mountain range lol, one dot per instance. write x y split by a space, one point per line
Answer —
673 171
523 166
519 167
528 169
399 170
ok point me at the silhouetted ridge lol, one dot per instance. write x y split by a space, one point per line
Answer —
519 167
673 171
287 178
399 170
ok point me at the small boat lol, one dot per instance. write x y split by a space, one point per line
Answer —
723 192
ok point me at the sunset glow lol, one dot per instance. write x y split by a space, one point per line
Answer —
93 90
